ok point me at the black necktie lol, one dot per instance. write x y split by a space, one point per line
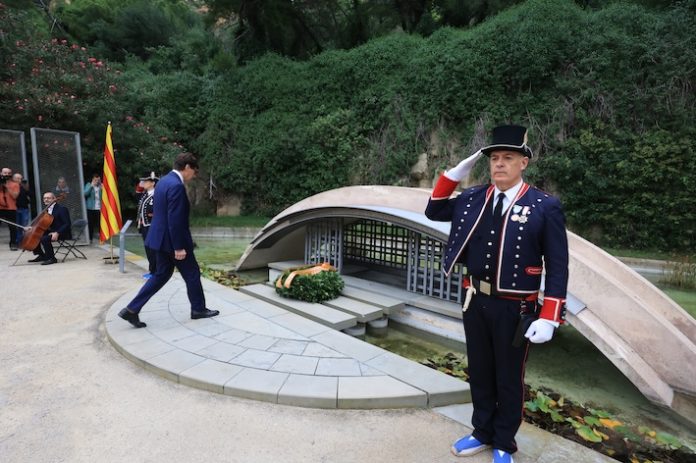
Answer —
498 211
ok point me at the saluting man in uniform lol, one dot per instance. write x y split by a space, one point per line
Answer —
506 234
146 207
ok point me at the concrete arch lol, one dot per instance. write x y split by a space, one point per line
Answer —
647 336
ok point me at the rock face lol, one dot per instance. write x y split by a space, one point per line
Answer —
419 172
228 205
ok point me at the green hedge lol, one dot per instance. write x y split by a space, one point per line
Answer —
619 79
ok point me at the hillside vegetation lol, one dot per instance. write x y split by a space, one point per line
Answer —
607 92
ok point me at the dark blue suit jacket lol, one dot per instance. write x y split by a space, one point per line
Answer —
169 230
61 222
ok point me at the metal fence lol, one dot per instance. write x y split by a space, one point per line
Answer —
13 152
413 257
57 160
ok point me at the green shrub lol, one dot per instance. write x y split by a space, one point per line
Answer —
319 287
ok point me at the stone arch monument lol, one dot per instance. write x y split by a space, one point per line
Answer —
647 336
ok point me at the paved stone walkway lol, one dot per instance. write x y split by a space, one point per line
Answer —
257 350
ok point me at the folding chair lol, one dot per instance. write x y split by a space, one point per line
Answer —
69 246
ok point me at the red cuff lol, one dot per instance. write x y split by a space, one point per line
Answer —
552 308
444 188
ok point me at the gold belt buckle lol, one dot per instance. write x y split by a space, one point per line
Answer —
485 287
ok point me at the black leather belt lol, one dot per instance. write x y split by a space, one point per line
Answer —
483 287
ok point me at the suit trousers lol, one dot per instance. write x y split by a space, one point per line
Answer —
190 272
149 252
496 370
45 247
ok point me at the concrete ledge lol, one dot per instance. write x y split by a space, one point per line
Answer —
309 391
257 351
256 384
362 311
378 392
441 389
317 312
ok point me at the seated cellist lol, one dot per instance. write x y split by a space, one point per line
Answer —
58 230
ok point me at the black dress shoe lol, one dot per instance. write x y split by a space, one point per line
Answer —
50 261
131 318
205 313
38 259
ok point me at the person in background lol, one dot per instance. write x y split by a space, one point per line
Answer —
92 192
9 190
61 188
146 208
23 202
58 230
507 234
170 237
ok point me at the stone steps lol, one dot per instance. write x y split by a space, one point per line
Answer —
362 311
451 309
319 313
388 304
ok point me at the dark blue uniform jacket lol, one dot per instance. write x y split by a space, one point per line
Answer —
533 239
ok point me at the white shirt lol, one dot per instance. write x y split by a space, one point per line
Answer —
510 195
97 197
181 177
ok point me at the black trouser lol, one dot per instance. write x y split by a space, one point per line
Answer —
496 370
12 217
93 218
45 248
150 253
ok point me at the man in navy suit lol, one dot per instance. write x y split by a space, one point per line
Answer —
170 238
58 230
506 234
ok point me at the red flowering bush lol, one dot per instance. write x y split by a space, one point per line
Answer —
54 83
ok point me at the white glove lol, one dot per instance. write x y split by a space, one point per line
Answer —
462 169
540 330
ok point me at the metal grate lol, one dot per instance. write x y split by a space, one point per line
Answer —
379 243
13 151
425 270
390 248
57 155
323 242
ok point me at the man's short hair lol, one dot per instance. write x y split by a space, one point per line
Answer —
185 158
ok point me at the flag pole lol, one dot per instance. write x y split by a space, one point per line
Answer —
111 259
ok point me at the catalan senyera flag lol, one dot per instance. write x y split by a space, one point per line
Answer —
111 222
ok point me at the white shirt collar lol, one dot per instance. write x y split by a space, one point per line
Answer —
510 194
181 177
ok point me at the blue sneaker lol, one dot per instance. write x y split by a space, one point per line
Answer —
501 456
468 445
147 276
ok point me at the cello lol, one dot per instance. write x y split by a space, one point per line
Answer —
38 226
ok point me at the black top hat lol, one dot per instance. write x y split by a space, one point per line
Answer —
151 176
510 138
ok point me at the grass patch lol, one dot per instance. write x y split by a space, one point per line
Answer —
686 299
208 251
650 254
229 221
